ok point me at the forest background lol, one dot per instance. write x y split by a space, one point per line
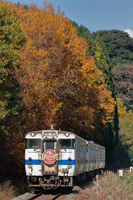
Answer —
53 71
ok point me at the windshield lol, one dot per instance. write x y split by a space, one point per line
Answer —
33 143
49 145
67 143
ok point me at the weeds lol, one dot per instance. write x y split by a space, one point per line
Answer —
111 187
6 191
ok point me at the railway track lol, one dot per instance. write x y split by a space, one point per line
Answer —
35 196
66 195
58 194
42 196
62 193
45 195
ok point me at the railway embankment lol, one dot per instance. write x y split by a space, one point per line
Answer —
108 185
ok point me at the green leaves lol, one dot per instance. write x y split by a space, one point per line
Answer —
118 44
11 38
126 123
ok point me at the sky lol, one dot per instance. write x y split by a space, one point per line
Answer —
94 14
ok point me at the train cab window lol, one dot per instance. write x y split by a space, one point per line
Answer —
33 143
49 145
67 143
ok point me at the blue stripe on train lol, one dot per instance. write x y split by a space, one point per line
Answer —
33 162
65 162
37 162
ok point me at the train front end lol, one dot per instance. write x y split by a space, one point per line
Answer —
49 158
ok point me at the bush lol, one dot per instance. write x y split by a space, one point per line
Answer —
6 191
110 187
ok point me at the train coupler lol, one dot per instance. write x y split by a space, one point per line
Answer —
51 183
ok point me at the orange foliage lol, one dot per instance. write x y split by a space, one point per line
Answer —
60 86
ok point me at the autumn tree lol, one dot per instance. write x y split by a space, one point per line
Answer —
11 40
42 53
83 32
61 86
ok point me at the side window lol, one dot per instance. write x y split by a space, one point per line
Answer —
67 143
89 150
81 149
97 153
91 153
94 153
86 147
33 143
78 147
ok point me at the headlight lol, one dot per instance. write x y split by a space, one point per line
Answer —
67 134
30 159
32 134
69 159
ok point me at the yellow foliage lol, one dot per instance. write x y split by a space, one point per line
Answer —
60 86
125 122
55 74
121 108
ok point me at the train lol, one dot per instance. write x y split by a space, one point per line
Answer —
56 158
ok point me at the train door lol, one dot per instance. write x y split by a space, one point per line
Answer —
49 156
91 157
76 157
97 158
87 157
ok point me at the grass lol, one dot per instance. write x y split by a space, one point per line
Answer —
111 187
7 191
128 178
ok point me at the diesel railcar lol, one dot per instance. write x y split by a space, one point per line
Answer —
56 158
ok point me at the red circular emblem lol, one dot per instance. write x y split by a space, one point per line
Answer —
49 156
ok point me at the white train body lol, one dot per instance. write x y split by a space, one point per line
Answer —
56 158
